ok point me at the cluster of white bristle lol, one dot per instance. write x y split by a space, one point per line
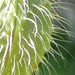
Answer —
7 31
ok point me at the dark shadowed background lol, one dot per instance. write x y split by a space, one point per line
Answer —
69 68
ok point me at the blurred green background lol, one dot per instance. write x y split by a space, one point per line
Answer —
66 68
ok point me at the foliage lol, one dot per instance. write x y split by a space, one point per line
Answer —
26 31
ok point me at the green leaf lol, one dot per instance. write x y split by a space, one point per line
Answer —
25 31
